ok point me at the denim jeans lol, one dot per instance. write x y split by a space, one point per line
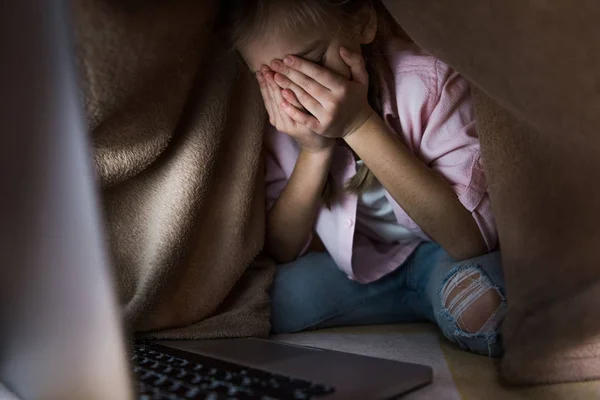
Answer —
312 293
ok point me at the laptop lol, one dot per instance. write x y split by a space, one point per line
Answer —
60 334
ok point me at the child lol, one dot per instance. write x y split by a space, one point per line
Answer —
375 150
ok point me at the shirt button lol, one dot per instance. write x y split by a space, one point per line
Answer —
350 223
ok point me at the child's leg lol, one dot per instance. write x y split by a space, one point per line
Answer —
466 298
312 293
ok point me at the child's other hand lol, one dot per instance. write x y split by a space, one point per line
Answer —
338 106
271 93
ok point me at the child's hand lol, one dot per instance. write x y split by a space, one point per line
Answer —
271 93
338 106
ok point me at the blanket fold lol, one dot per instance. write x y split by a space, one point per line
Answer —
176 123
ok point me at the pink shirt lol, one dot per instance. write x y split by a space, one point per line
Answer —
428 106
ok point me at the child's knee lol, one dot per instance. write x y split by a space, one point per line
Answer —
472 301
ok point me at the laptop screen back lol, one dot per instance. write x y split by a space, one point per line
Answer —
60 334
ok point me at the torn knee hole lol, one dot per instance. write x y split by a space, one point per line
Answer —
472 301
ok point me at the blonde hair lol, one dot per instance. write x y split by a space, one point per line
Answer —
246 20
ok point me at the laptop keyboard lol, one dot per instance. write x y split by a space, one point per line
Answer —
165 377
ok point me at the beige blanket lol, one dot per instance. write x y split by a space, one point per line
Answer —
176 126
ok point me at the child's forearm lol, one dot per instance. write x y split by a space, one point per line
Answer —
425 196
291 220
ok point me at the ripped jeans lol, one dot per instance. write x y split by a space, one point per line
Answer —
465 299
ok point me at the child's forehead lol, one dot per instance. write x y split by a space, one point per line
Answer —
298 35
263 50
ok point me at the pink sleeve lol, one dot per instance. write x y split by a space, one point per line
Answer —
450 146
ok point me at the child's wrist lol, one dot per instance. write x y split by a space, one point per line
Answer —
362 119
318 154
315 163
367 125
